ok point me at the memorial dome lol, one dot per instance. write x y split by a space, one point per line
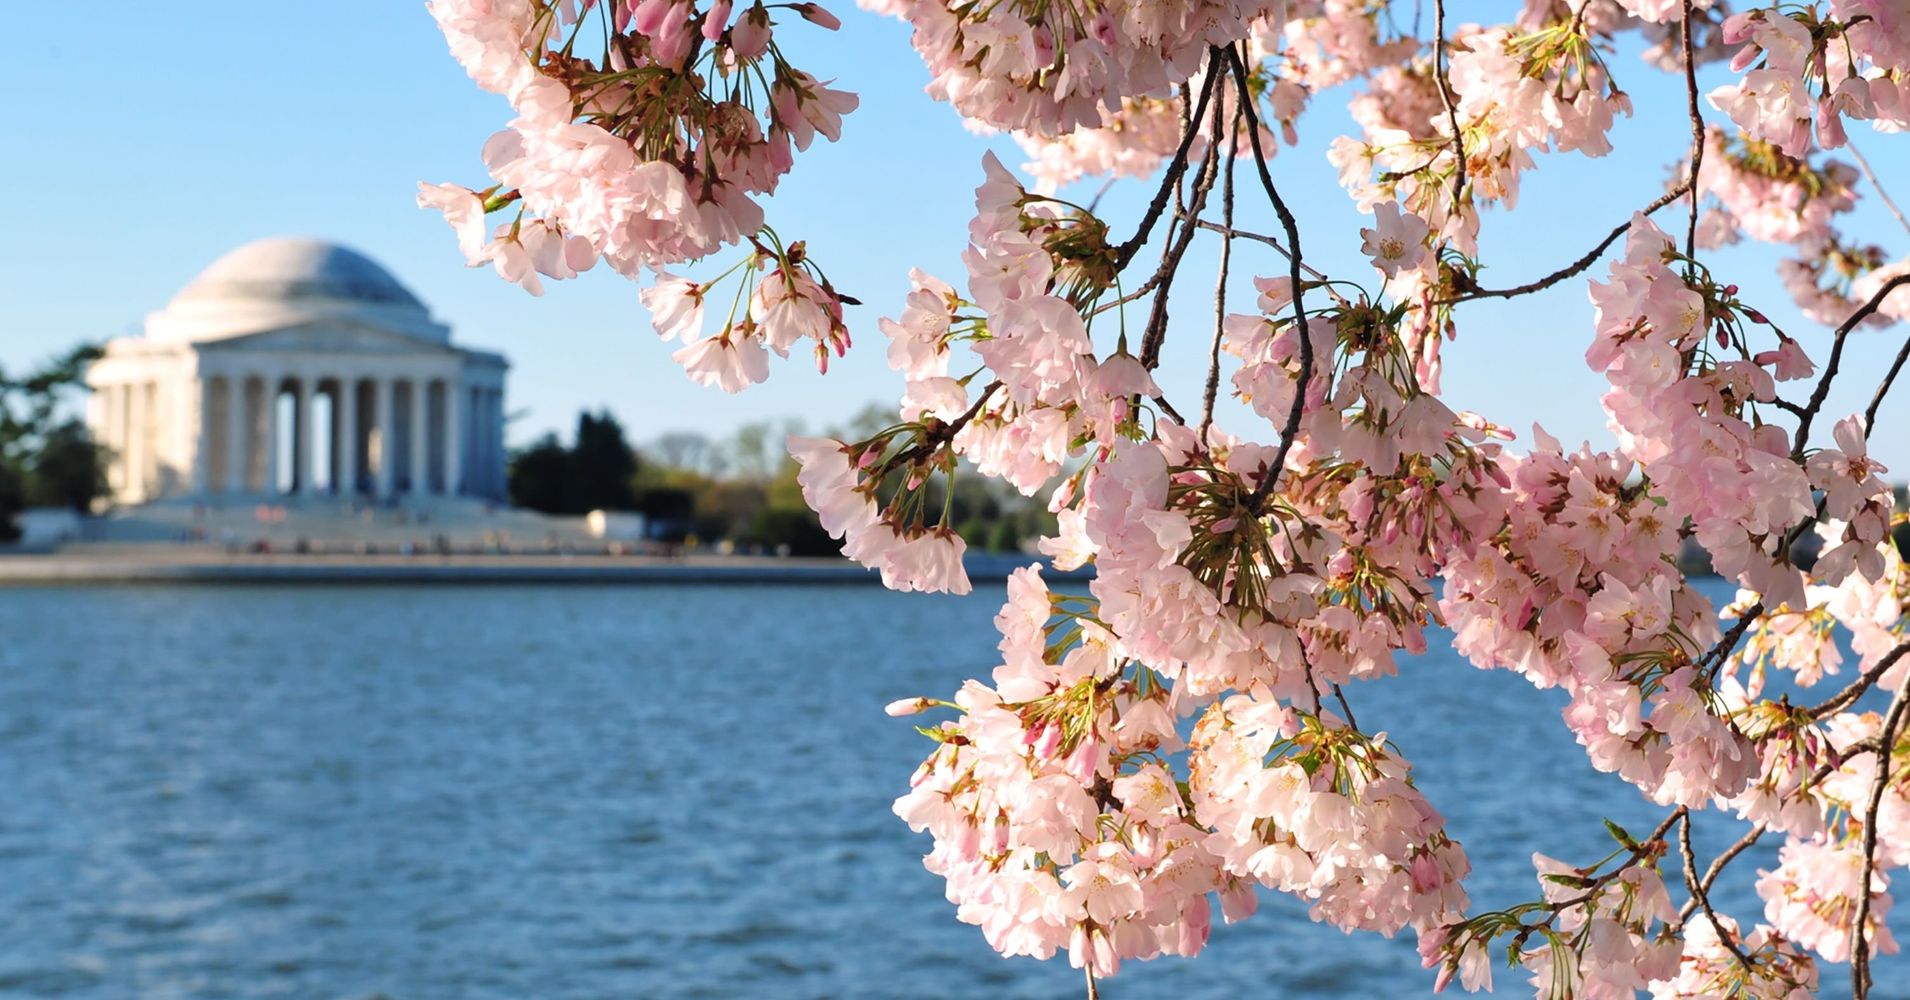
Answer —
288 280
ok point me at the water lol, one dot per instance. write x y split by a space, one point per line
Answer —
468 792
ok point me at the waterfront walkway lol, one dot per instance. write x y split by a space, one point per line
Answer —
193 564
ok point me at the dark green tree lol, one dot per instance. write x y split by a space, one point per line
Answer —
67 471
595 473
540 476
12 499
41 453
602 465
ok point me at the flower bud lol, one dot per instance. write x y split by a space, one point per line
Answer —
814 14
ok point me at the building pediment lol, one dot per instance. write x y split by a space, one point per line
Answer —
327 336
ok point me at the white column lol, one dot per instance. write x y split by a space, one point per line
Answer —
345 420
270 400
498 487
453 437
112 436
304 441
237 458
480 467
202 447
136 442
385 401
419 437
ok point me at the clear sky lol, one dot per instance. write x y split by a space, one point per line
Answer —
148 142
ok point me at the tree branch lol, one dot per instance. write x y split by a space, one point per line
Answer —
1292 228
1703 895
1175 167
1831 366
1718 865
1855 690
1886 745
1871 175
1883 388
1220 284
1573 268
1697 133
1181 236
1452 108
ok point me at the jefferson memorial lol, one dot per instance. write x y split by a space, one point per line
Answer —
295 366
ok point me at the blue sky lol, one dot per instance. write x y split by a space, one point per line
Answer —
149 143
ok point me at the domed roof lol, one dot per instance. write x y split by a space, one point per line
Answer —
298 267
287 281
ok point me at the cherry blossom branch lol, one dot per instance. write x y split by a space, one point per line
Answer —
1883 387
1728 643
1180 236
1886 745
1697 133
1718 865
1175 167
1591 257
1292 228
937 435
1445 97
1340 696
1832 365
1278 247
1871 175
1855 690
1638 852
1220 285
1703 896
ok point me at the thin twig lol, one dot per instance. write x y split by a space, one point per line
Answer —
1180 237
1175 167
1703 896
1220 284
1697 134
1340 696
1883 388
1855 690
1638 852
1871 175
1279 247
1716 655
1886 746
1573 268
1452 108
1292 229
1718 865
1836 359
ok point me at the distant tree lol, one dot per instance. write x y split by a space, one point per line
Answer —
1004 535
686 450
68 469
602 465
749 453
540 476
793 528
595 473
12 499
41 454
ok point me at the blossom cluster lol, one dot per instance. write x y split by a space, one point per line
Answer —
644 131
1182 733
1054 68
1060 823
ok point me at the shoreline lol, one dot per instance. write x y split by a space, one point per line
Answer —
159 566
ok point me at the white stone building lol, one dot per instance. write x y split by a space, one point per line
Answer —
297 366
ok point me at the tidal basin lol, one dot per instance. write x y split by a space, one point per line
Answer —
608 791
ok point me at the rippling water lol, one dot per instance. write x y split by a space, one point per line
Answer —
468 792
